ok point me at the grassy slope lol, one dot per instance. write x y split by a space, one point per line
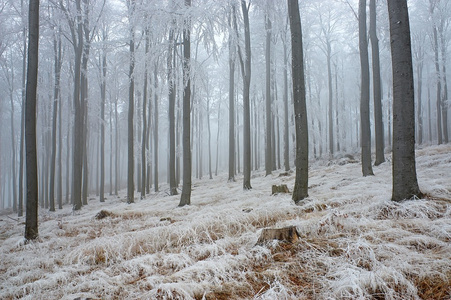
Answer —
355 243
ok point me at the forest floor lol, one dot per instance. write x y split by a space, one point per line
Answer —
354 242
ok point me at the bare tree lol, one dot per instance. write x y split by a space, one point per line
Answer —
31 222
245 64
405 184
131 105
377 90
300 190
269 147
365 130
185 198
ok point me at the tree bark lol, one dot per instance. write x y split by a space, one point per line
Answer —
144 117
232 55
405 185
246 74
367 169
286 137
31 222
378 123
300 190
102 123
185 198
155 143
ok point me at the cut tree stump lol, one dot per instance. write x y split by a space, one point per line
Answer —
276 189
286 234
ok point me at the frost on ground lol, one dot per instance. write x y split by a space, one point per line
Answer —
355 243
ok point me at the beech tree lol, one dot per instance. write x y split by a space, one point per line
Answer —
300 190
405 184
365 129
185 198
31 221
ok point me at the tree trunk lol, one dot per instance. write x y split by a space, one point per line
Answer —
419 110
246 74
185 198
405 185
155 143
330 111
171 82
437 74
56 99
367 169
232 55
102 123
144 117
378 123
217 139
268 148
131 108
444 101
286 137
300 190
31 222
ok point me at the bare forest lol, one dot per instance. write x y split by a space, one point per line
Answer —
149 149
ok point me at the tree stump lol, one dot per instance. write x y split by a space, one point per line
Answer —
286 234
276 189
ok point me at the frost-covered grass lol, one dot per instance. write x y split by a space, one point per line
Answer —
355 243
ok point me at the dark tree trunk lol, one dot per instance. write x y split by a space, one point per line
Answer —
31 222
185 198
300 190
405 185
330 111
367 169
378 123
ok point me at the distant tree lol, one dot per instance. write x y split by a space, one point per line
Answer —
185 198
31 222
131 105
232 58
269 148
367 169
405 184
300 190
56 100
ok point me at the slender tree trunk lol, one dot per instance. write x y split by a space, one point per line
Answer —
378 123
269 148
429 114
131 108
102 124
419 110
116 149
405 184
209 137
111 147
144 117
336 110
155 143
367 169
13 146
444 102
330 111
439 81
56 99
185 198
232 102
31 222
217 139
171 82
286 136
246 74
300 190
